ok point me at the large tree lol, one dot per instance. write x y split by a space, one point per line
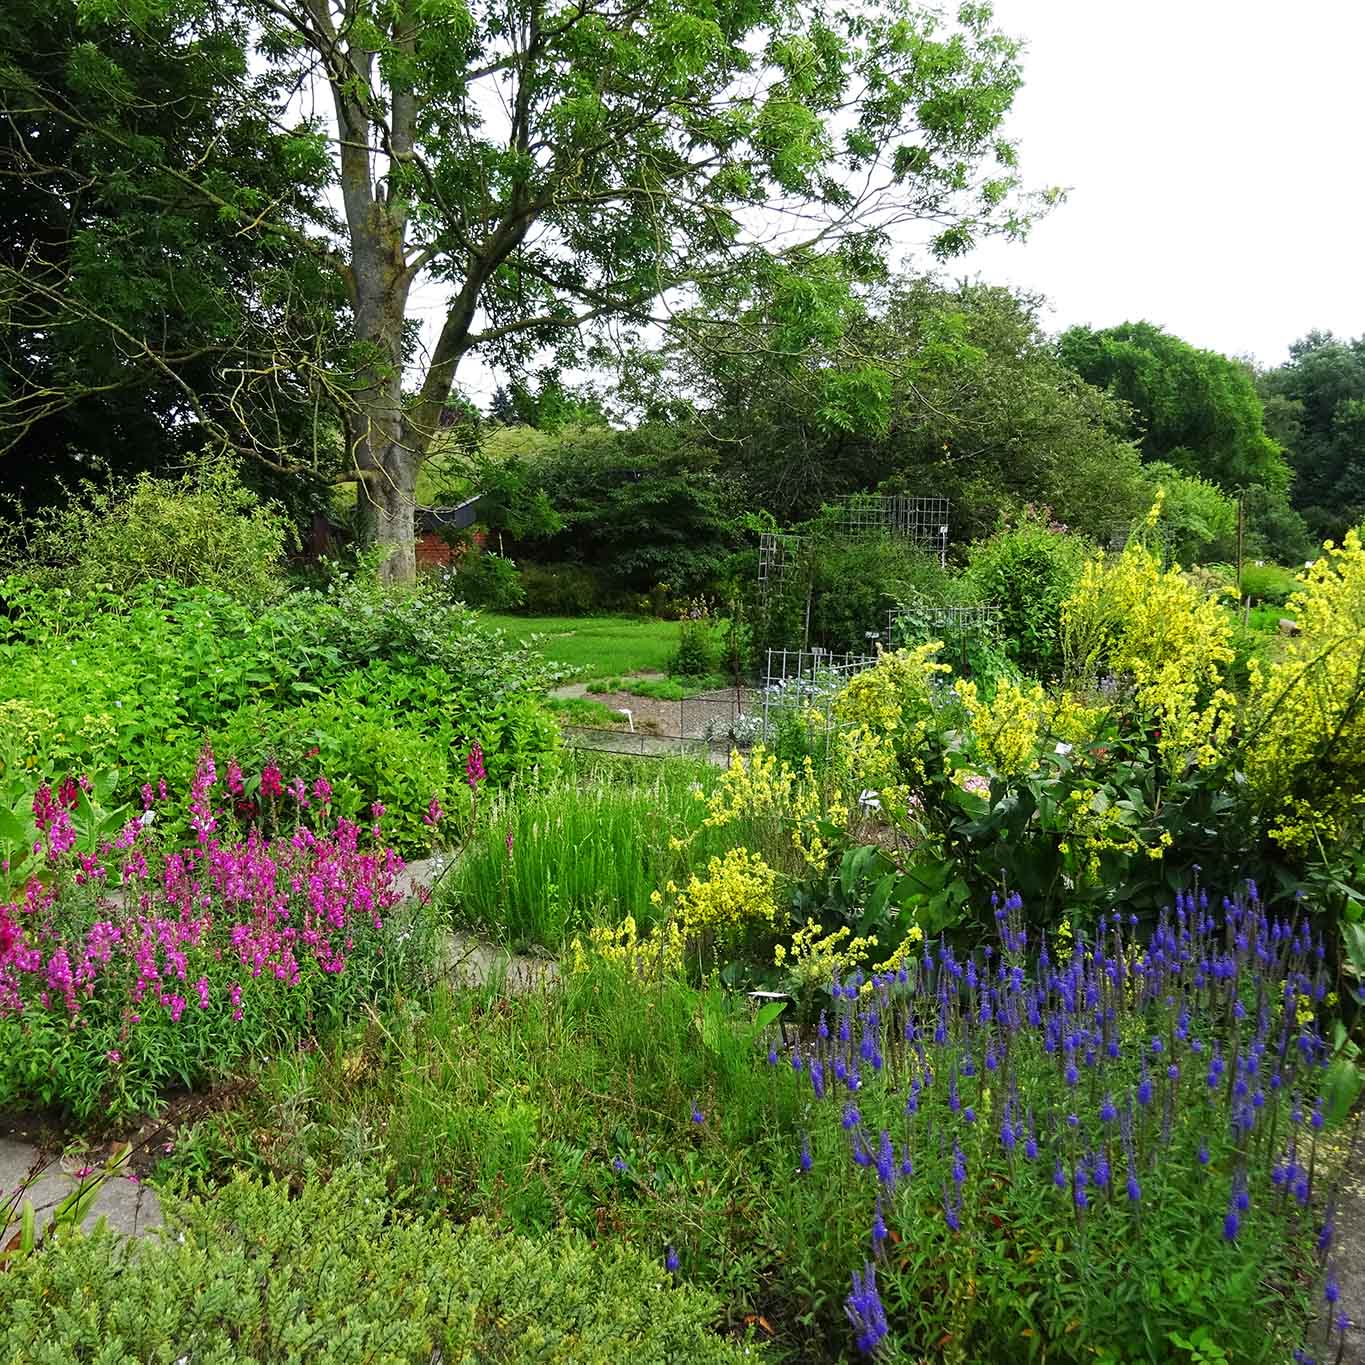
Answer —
1318 401
558 166
1196 410
135 315
931 390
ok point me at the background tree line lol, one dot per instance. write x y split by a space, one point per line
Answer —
193 257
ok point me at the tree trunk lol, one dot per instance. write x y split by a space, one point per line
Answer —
388 513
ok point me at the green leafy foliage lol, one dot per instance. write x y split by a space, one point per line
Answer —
261 1272
1198 520
144 314
644 506
973 405
1317 401
560 589
840 589
1028 570
1196 410
383 691
202 530
482 578
699 641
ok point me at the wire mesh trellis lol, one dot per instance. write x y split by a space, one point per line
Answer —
634 743
804 683
800 684
777 557
923 520
981 619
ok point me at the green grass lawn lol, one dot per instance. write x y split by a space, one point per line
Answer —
593 646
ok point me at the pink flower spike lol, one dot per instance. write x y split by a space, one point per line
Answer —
434 814
474 769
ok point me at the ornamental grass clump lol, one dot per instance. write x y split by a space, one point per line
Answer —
1077 1152
125 971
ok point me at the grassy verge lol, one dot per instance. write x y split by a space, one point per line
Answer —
584 711
591 646
661 689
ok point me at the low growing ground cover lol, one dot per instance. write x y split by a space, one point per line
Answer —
342 1273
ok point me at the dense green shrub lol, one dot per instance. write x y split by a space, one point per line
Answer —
699 641
1269 583
256 1273
645 506
1197 521
838 590
481 578
559 589
859 580
1028 570
203 530
386 690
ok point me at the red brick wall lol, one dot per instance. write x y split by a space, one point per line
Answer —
432 552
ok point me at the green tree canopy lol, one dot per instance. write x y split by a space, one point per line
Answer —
933 389
1196 410
134 313
562 168
1318 399
644 506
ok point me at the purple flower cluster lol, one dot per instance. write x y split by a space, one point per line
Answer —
1115 1062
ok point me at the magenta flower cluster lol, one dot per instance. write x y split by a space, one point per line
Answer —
240 912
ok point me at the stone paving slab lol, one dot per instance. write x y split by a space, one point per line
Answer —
128 1206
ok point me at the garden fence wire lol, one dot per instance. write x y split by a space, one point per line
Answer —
904 621
799 685
923 520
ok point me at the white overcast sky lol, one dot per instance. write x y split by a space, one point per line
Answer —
1213 153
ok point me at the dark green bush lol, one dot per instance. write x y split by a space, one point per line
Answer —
851 584
481 578
646 506
1028 570
256 1274
559 589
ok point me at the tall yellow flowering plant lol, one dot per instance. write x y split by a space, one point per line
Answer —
1133 620
1305 715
